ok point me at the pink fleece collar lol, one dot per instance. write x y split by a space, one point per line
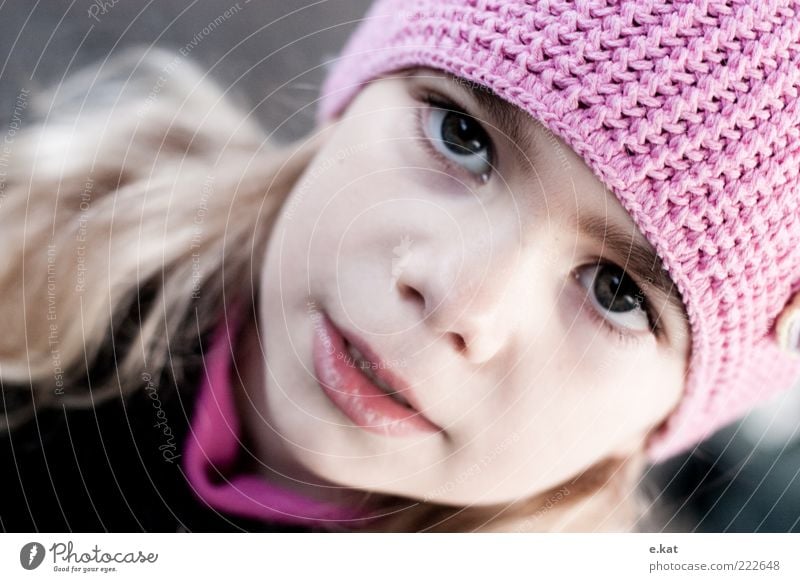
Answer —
213 446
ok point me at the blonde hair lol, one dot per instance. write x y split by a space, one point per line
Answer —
141 188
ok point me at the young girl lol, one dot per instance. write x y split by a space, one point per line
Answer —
527 249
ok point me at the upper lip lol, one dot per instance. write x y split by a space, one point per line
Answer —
382 369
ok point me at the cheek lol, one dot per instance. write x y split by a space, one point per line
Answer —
621 392
347 178
581 413
358 196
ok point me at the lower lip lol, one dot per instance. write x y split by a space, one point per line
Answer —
354 393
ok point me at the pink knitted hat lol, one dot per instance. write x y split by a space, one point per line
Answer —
687 110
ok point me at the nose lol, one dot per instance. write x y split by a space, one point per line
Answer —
466 294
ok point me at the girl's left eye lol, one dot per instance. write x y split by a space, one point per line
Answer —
459 138
615 297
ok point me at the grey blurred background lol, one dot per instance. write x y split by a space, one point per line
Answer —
745 478
255 48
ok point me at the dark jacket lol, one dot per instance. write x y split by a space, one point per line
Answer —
104 468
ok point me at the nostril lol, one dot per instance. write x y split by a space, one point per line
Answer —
410 293
461 344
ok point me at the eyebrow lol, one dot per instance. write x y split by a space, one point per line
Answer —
639 260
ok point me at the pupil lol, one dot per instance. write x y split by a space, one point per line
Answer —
615 291
459 134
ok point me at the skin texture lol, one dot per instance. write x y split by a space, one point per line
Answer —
472 287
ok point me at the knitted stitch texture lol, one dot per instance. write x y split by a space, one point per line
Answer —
686 110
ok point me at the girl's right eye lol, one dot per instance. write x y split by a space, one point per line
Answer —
458 137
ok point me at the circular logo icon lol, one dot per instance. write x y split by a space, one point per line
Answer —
31 555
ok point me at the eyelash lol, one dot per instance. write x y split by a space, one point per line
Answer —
435 100
625 337
432 99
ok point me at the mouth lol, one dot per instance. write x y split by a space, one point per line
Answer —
363 386
369 368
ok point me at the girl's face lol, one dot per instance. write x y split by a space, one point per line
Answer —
494 283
